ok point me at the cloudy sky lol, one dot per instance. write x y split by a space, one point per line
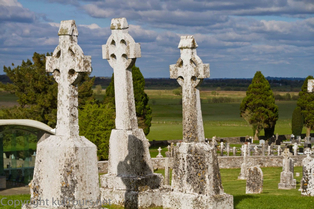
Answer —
237 37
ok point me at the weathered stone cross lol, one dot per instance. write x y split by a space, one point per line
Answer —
67 63
286 154
190 72
121 52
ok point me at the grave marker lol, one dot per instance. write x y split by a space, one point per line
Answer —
130 175
66 163
254 182
196 181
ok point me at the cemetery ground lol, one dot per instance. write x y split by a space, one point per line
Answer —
271 197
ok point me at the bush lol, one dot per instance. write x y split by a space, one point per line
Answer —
177 91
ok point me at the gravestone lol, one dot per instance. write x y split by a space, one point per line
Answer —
279 150
228 149
167 171
130 181
254 181
305 163
243 172
295 149
268 151
196 181
286 176
262 141
234 150
159 153
256 152
66 163
221 149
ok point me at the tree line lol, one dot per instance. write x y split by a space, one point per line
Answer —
258 108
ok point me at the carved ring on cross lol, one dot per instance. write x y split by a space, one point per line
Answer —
194 63
74 56
118 48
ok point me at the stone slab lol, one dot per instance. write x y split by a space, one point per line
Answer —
177 200
134 199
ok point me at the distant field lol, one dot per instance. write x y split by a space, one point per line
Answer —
220 119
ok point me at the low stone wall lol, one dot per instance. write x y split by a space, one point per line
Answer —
263 161
224 162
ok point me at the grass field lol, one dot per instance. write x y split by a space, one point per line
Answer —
220 119
270 198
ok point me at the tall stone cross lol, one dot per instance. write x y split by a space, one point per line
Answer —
121 52
190 72
67 63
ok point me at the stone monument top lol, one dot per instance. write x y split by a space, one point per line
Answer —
67 63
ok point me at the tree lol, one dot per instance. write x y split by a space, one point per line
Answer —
306 103
96 120
258 108
143 110
297 122
37 91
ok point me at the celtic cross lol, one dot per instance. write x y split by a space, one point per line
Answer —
67 63
190 72
121 52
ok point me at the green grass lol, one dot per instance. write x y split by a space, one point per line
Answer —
221 120
270 198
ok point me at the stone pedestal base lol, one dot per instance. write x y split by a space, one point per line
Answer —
176 200
287 181
134 199
65 170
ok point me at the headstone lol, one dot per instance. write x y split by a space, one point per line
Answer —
242 148
268 151
295 149
256 151
263 149
286 176
312 140
292 137
228 149
297 174
159 153
66 163
4 156
248 149
254 181
262 141
214 141
279 150
172 149
221 149
234 150
277 136
130 176
243 172
167 171
304 164
196 181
